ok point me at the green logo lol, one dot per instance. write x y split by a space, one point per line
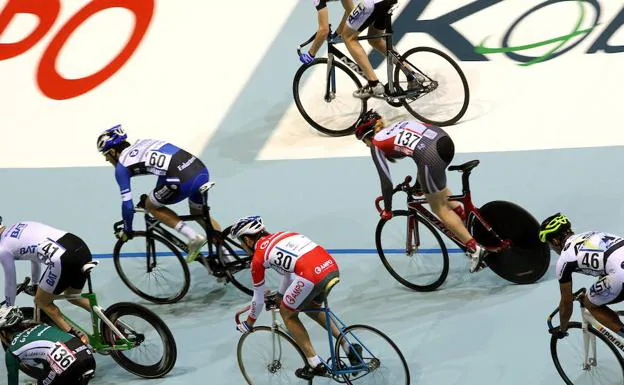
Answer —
557 43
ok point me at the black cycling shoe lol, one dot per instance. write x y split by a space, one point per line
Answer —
308 372
355 356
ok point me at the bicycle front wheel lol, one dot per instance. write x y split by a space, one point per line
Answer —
324 97
441 93
152 268
380 360
268 356
155 351
412 251
604 364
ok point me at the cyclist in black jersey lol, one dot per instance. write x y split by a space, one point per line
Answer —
67 361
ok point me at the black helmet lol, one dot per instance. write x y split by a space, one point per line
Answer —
365 126
554 226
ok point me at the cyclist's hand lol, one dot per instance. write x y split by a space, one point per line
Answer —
244 327
124 235
31 290
78 333
386 214
558 333
306 58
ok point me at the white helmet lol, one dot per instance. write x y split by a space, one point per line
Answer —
10 316
247 226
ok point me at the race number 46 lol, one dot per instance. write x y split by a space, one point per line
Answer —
50 82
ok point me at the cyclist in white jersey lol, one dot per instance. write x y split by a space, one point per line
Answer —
180 176
592 253
61 253
323 27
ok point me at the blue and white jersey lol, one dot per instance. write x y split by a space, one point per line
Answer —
150 156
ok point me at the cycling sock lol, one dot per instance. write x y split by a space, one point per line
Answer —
373 83
314 361
472 245
185 230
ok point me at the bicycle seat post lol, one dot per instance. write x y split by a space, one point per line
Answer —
466 181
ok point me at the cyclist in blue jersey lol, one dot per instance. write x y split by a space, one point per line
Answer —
180 176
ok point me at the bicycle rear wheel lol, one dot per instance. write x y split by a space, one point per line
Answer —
381 360
527 260
267 356
605 363
443 95
155 351
424 268
152 268
324 97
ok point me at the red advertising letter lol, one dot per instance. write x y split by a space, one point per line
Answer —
54 86
45 10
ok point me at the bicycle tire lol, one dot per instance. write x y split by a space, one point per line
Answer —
35 372
341 131
528 259
397 214
280 334
239 264
386 379
169 355
554 341
175 297
460 73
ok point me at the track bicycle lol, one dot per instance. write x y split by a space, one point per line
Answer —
590 353
151 263
134 336
269 355
426 81
412 250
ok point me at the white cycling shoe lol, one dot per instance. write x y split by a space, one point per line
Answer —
194 245
476 259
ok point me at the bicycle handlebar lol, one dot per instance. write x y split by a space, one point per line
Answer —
305 43
20 288
577 297
239 312
271 302
403 186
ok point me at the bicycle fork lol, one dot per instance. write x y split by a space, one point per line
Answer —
330 80
589 342
412 241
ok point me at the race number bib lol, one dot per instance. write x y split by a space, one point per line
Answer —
157 160
592 260
60 358
49 249
407 140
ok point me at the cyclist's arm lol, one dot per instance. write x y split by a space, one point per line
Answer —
322 32
565 268
10 277
122 175
384 176
12 365
257 276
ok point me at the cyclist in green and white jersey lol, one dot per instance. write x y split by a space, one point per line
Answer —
67 361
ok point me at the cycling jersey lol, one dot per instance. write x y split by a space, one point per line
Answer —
65 355
26 241
429 146
597 254
292 255
180 174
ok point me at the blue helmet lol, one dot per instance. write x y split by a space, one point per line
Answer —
110 138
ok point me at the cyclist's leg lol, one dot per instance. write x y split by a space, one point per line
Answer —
358 20
197 200
54 280
72 265
608 290
167 191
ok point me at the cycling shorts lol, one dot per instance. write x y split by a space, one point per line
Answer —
367 12
65 270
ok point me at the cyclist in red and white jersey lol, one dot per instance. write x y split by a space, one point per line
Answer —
309 272
432 149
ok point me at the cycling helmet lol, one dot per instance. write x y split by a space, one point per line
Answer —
365 126
110 138
10 316
247 226
553 226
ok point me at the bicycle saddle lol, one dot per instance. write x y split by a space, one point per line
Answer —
466 166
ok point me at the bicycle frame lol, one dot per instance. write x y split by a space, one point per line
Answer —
589 340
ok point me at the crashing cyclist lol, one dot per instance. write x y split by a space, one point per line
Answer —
180 176
591 253
309 272
69 361
62 253
432 149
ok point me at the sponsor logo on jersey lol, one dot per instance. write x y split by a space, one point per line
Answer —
28 249
133 153
264 245
186 164
17 231
323 266
296 291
